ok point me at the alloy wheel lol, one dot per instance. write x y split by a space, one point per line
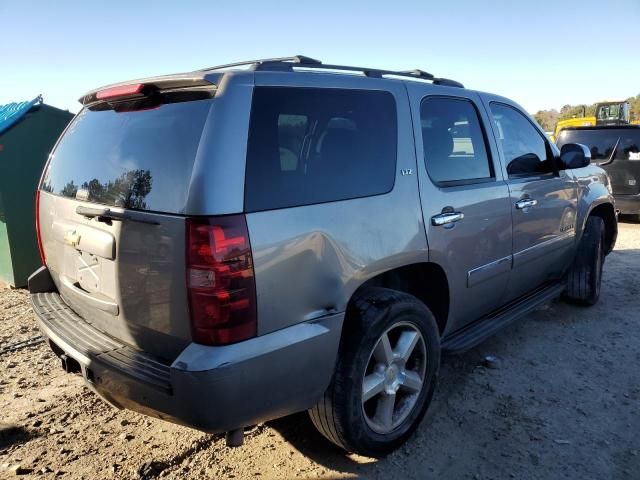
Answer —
394 377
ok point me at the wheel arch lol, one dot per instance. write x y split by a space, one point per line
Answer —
607 212
426 281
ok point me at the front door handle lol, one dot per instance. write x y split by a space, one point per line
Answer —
526 203
446 218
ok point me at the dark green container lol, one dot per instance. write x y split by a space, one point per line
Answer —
24 148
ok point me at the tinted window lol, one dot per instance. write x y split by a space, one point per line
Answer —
291 133
613 111
310 145
602 142
524 148
454 147
138 159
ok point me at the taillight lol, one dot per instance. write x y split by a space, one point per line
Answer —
38 234
220 280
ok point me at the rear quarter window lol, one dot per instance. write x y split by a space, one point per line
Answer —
311 145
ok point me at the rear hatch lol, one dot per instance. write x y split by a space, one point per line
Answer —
111 212
617 150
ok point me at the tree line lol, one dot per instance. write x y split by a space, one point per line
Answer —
548 118
129 190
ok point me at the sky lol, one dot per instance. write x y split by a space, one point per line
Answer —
541 53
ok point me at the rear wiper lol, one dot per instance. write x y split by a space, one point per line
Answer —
106 215
613 154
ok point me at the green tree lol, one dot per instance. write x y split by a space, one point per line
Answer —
70 190
634 102
547 119
129 190
132 188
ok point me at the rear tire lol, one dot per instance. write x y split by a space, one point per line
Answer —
395 377
585 275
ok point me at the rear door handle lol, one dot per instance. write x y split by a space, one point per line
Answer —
446 218
526 203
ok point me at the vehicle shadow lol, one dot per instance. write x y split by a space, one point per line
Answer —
298 430
11 435
630 219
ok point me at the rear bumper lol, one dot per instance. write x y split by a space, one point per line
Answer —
628 204
214 389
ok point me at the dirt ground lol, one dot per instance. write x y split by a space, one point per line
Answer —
563 402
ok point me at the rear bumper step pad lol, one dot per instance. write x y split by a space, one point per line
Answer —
65 328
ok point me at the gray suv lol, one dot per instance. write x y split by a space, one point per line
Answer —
239 243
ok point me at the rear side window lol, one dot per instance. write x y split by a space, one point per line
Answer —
524 148
137 159
310 145
454 145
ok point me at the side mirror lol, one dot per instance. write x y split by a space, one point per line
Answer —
574 155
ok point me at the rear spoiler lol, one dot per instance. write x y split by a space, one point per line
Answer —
148 87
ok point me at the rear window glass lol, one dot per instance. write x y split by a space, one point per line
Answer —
140 160
309 145
602 142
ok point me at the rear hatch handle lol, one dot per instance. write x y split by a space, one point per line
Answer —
106 215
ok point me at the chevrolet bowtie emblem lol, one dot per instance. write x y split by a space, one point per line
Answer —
72 238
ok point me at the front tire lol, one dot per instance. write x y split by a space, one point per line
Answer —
385 376
585 276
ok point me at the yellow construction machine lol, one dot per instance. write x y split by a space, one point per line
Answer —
607 113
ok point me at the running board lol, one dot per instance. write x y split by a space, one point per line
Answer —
478 331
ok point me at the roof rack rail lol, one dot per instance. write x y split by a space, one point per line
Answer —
447 82
289 64
417 73
298 59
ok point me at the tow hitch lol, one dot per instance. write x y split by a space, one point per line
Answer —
69 365
235 438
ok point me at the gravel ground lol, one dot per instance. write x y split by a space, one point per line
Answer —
562 402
